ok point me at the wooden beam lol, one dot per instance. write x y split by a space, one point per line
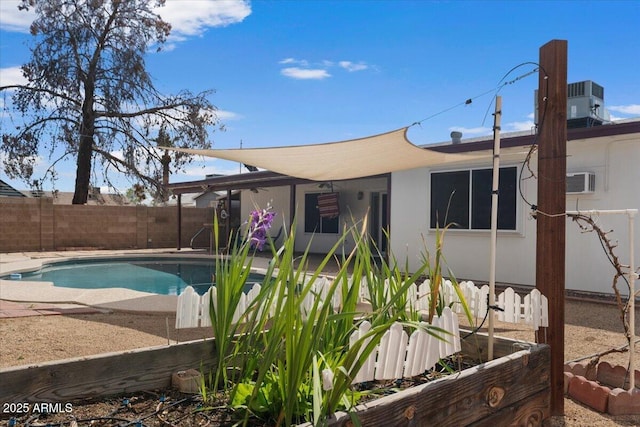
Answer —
179 205
388 210
502 392
550 242
227 221
104 374
292 207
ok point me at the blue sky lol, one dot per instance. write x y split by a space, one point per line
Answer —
303 72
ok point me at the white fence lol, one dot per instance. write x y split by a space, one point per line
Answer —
398 354
193 309
532 310
401 355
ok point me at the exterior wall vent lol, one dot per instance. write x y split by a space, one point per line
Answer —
581 182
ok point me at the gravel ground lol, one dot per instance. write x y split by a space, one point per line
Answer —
590 328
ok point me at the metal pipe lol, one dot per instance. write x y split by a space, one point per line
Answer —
494 223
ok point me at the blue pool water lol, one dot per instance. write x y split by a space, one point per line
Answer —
165 276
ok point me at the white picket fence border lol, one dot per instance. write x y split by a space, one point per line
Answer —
531 310
193 310
399 355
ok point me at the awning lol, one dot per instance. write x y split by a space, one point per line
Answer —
356 158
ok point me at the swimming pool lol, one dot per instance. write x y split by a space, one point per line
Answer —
158 275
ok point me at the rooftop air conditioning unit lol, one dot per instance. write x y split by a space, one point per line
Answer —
585 105
581 182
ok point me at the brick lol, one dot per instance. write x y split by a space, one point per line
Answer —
584 369
567 379
589 392
614 376
187 381
624 402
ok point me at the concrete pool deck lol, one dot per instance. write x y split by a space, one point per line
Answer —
22 298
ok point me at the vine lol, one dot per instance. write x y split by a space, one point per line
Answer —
587 224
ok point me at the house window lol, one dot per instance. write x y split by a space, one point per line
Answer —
313 222
463 199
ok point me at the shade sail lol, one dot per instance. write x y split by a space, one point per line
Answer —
356 158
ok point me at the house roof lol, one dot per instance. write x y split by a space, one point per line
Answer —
242 181
102 199
520 140
8 191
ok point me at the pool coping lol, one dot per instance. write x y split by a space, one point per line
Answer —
117 299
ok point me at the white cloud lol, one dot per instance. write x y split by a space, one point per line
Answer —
227 115
633 109
305 74
187 17
351 66
194 17
11 76
473 131
520 126
293 61
301 69
207 166
12 19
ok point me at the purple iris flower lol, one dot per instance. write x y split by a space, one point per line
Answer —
260 223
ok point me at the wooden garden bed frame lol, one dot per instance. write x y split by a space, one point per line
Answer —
512 388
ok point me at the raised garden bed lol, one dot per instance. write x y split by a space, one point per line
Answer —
513 388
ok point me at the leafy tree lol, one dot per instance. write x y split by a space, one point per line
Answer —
88 95
136 194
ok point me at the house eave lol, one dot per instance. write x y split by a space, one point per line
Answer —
524 140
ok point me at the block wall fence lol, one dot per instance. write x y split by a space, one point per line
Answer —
36 224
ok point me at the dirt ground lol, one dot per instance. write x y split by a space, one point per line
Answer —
590 328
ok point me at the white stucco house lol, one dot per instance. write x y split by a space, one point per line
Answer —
602 170
603 174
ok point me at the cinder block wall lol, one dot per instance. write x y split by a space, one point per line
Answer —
21 223
35 224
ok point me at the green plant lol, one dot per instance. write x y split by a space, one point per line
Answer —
231 272
289 342
293 339
384 279
436 279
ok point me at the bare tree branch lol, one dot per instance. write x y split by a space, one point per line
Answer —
88 89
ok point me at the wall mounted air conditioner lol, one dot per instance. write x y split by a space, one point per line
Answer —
581 182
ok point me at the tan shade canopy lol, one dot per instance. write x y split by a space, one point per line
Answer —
356 158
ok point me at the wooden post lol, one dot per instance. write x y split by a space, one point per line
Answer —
227 221
179 206
292 208
550 242
495 186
